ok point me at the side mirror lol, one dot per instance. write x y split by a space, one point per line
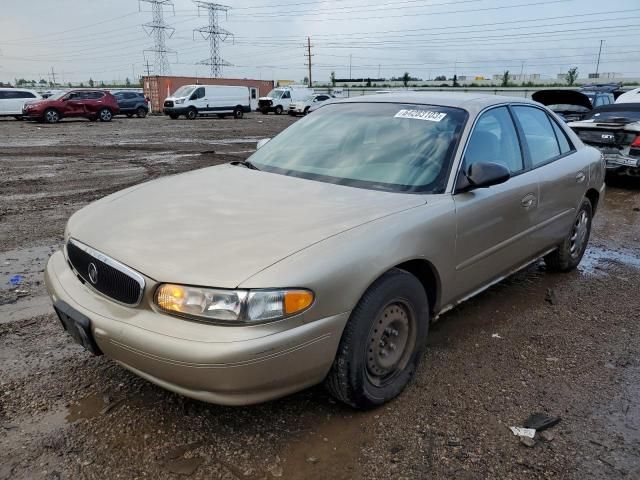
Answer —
482 175
261 143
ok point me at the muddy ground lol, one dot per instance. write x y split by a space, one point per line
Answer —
565 344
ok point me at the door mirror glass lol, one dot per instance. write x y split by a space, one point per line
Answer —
482 175
261 143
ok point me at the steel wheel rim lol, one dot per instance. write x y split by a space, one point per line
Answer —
579 234
391 342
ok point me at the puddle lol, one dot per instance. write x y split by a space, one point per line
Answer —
87 407
330 451
597 260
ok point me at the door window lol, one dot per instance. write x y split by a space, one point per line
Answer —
494 139
286 95
199 93
538 133
253 93
563 141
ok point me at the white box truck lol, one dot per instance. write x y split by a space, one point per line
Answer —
279 99
220 100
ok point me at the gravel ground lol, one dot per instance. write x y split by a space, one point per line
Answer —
565 344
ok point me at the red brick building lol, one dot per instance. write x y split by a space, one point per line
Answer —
157 88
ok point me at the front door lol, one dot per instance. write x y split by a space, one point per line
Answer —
73 104
492 223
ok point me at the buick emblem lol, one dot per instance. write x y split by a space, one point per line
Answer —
93 273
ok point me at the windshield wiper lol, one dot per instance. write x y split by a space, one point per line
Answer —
245 163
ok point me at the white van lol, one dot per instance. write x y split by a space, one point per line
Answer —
279 99
220 100
13 99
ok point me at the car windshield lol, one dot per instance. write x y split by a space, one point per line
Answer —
183 91
275 93
383 146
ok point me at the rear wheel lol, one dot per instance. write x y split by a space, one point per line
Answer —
51 116
129 115
105 115
192 113
569 253
278 110
382 343
141 112
238 113
173 116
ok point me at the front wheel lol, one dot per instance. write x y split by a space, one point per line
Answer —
173 116
278 110
51 116
264 111
382 343
192 113
141 112
105 115
569 253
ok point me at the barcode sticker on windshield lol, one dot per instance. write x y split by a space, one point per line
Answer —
421 115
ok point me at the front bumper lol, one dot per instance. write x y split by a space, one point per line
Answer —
174 110
213 363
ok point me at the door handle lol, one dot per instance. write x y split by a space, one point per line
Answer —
580 176
528 200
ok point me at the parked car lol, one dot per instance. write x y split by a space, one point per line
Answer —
91 104
615 131
132 103
630 96
569 105
279 99
220 100
326 254
51 93
13 99
302 107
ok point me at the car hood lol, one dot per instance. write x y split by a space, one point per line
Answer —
562 97
220 225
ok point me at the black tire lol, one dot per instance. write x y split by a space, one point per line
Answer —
51 115
191 114
129 115
569 253
358 376
238 113
291 112
306 110
173 116
264 111
278 110
105 115
18 117
141 112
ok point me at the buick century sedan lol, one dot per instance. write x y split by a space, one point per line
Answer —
325 256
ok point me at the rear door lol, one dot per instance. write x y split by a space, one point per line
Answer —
492 223
561 173
253 102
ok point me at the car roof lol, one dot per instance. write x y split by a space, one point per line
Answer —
472 102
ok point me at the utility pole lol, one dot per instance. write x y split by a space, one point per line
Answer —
598 64
53 77
148 69
215 35
309 60
378 71
350 55
159 30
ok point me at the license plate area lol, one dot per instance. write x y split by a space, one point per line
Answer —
77 325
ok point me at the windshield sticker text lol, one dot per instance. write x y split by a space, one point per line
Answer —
421 115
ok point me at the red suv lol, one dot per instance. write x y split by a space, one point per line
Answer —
91 104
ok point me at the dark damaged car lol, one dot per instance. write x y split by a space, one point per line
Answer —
570 105
615 131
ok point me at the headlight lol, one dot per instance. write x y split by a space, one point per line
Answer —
180 100
233 306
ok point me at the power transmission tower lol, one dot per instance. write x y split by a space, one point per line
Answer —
215 35
159 30
309 55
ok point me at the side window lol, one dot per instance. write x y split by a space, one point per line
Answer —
563 141
4 94
26 95
286 95
200 92
494 139
253 93
538 134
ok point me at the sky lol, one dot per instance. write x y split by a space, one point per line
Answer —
105 40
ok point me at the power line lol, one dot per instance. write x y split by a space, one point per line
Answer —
215 34
159 30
